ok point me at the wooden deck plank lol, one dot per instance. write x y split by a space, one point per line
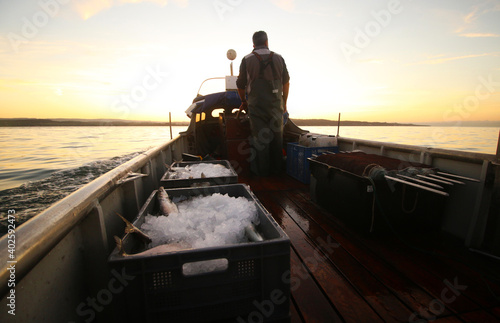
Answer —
294 312
496 312
402 258
449 319
405 289
438 260
473 287
311 302
381 299
351 306
479 316
368 277
482 275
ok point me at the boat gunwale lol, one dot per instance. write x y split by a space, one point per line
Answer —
39 235
459 155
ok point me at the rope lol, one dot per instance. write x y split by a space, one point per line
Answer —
364 171
403 202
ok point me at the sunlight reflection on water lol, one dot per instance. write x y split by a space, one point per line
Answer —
31 153
473 139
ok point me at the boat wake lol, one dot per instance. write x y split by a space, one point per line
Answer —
33 197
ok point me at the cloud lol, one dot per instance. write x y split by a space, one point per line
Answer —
472 16
454 58
474 35
481 9
89 8
287 5
477 11
371 61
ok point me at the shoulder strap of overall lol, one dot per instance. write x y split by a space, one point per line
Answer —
265 63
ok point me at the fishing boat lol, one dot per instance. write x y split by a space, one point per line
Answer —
55 267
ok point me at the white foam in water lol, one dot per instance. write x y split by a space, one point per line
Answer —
204 221
195 171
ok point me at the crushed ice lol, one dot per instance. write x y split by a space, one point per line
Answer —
203 221
195 171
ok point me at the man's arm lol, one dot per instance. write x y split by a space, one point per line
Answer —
286 88
286 84
241 83
244 103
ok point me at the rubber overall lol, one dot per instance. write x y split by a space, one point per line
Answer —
265 110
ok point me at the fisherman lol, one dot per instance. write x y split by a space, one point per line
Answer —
264 80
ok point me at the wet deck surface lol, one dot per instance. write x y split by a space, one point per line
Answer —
343 275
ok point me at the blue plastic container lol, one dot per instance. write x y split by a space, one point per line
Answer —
297 164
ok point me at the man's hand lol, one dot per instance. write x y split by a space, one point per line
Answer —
286 89
244 106
244 103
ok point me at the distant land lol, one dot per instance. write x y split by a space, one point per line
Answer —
324 122
486 123
34 122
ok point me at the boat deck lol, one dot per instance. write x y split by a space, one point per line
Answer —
342 275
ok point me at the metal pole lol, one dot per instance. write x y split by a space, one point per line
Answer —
498 146
447 179
420 181
170 123
461 177
425 188
434 179
338 126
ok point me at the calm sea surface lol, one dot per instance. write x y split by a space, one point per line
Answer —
40 165
33 153
473 139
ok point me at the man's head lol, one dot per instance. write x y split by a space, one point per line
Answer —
259 39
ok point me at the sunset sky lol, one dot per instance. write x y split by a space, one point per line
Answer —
389 60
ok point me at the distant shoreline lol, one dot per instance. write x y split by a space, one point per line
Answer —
33 122
15 122
344 123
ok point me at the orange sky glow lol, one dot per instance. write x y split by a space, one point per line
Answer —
385 61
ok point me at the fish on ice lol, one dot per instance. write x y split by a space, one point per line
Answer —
130 228
166 205
252 234
158 250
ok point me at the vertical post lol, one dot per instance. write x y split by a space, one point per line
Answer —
231 68
170 123
338 126
498 146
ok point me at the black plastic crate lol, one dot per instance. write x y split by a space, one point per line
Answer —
255 281
207 181
375 205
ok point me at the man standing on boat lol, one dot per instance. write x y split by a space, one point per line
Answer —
265 81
